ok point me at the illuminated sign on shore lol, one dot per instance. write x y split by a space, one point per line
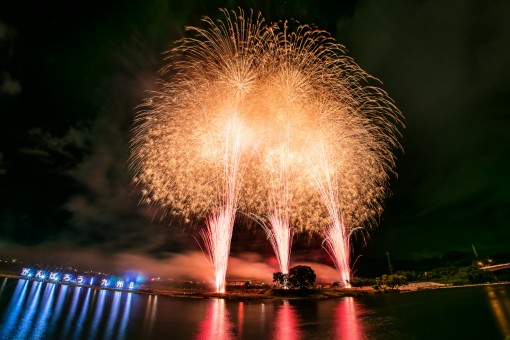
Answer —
56 277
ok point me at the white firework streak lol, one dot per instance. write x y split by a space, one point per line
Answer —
217 235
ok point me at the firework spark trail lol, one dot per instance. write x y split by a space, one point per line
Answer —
278 230
337 245
280 235
217 235
336 234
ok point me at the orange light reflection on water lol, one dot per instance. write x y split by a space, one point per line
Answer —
500 305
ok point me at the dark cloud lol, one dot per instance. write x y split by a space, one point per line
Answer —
79 152
61 152
2 165
9 85
106 213
4 30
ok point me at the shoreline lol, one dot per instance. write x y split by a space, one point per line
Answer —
272 294
260 294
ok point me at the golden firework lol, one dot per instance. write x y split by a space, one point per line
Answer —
312 127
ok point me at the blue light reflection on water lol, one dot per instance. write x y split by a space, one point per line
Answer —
62 294
125 317
26 320
114 313
40 310
84 309
72 311
44 314
98 313
14 309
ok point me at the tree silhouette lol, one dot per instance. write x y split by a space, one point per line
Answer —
301 277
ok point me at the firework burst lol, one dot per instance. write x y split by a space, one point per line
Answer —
273 119
191 143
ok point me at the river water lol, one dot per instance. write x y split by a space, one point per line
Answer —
37 310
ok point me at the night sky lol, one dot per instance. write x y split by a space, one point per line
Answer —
72 74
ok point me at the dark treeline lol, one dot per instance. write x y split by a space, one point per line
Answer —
454 267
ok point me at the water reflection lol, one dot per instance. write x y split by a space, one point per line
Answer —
39 310
114 314
62 294
44 313
217 323
125 317
43 310
286 324
500 306
83 313
348 324
150 314
98 313
14 309
4 281
72 311
240 319
27 319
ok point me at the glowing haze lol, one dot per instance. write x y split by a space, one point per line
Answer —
271 119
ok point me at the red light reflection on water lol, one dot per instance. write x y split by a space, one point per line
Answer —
347 319
240 320
217 324
286 324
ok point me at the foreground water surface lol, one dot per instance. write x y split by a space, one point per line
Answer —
38 310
